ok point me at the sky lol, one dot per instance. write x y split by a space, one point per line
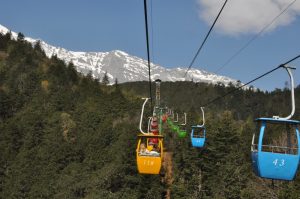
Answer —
177 29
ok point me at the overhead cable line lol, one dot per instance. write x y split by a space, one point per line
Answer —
198 51
254 37
148 51
237 88
152 31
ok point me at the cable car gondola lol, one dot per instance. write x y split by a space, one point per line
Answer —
164 118
182 128
273 161
174 127
198 133
149 154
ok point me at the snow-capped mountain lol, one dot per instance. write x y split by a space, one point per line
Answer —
122 66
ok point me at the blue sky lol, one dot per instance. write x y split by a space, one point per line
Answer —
177 30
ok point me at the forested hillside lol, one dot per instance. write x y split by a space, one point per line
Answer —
189 96
65 135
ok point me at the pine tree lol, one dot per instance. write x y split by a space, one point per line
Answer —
20 37
105 79
116 82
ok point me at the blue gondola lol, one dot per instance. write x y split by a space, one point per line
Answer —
277 162
198 134
274 165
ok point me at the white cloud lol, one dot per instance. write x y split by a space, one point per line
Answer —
247 16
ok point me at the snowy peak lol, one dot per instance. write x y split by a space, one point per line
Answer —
122 66
4 30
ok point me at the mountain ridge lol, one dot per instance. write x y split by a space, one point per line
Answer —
121 66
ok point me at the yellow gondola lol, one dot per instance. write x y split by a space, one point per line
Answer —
149 153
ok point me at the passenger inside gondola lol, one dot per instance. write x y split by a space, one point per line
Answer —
150 150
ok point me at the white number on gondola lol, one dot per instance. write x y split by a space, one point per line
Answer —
279 162
148 162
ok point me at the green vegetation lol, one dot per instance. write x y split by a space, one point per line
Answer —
65 135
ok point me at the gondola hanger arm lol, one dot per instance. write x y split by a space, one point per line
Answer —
203 118
142 114
289 71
